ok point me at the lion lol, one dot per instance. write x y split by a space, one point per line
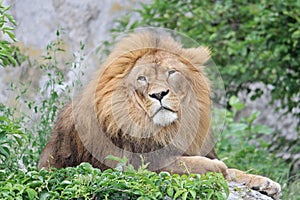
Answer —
151 97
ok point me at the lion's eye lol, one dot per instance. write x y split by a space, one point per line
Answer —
172 71
142 78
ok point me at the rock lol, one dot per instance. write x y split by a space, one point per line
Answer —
239 191
82 21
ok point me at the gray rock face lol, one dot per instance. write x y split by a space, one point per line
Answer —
286 125
88 21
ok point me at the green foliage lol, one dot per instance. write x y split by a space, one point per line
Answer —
86 182
256 41
293 190
242 146
37 115
245 129
7 51
53 86
11 137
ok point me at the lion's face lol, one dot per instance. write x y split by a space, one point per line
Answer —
159 87
151 92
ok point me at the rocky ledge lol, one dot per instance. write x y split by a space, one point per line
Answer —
239 191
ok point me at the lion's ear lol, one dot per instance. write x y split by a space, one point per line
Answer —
198 55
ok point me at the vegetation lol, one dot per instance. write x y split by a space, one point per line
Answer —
9 54
243 148
231 34
10 131
86 182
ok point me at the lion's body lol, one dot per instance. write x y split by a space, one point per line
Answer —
151 98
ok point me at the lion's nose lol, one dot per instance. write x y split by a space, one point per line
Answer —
159 95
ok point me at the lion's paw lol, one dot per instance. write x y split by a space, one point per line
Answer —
265 186
260 183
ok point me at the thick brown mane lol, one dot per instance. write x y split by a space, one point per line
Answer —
104 117
124 58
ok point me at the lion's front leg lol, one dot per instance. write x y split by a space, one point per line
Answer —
255 182
196 165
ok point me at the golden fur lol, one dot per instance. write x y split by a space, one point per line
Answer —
146 46
122 112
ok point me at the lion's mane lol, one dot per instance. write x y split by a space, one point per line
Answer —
102 120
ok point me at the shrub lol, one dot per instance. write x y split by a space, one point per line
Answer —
11 135
241 145
9 55
86 182
11 138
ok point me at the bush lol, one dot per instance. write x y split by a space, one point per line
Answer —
11 135
241 146
11 138
9 55
86 182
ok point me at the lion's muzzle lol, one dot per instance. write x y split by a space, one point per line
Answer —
163 108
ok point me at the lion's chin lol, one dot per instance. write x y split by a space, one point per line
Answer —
164 117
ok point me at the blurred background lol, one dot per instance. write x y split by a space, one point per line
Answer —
255 45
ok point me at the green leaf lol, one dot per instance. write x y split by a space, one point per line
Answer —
236 104
225 187
178 193
184 195
237 128
4 151
170 192
210 193
31 193
193 193
18 187
121 160
261 129
11 35
34 184
19 140
45 195
253 116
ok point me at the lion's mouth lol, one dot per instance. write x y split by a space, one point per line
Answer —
163 108
164 116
